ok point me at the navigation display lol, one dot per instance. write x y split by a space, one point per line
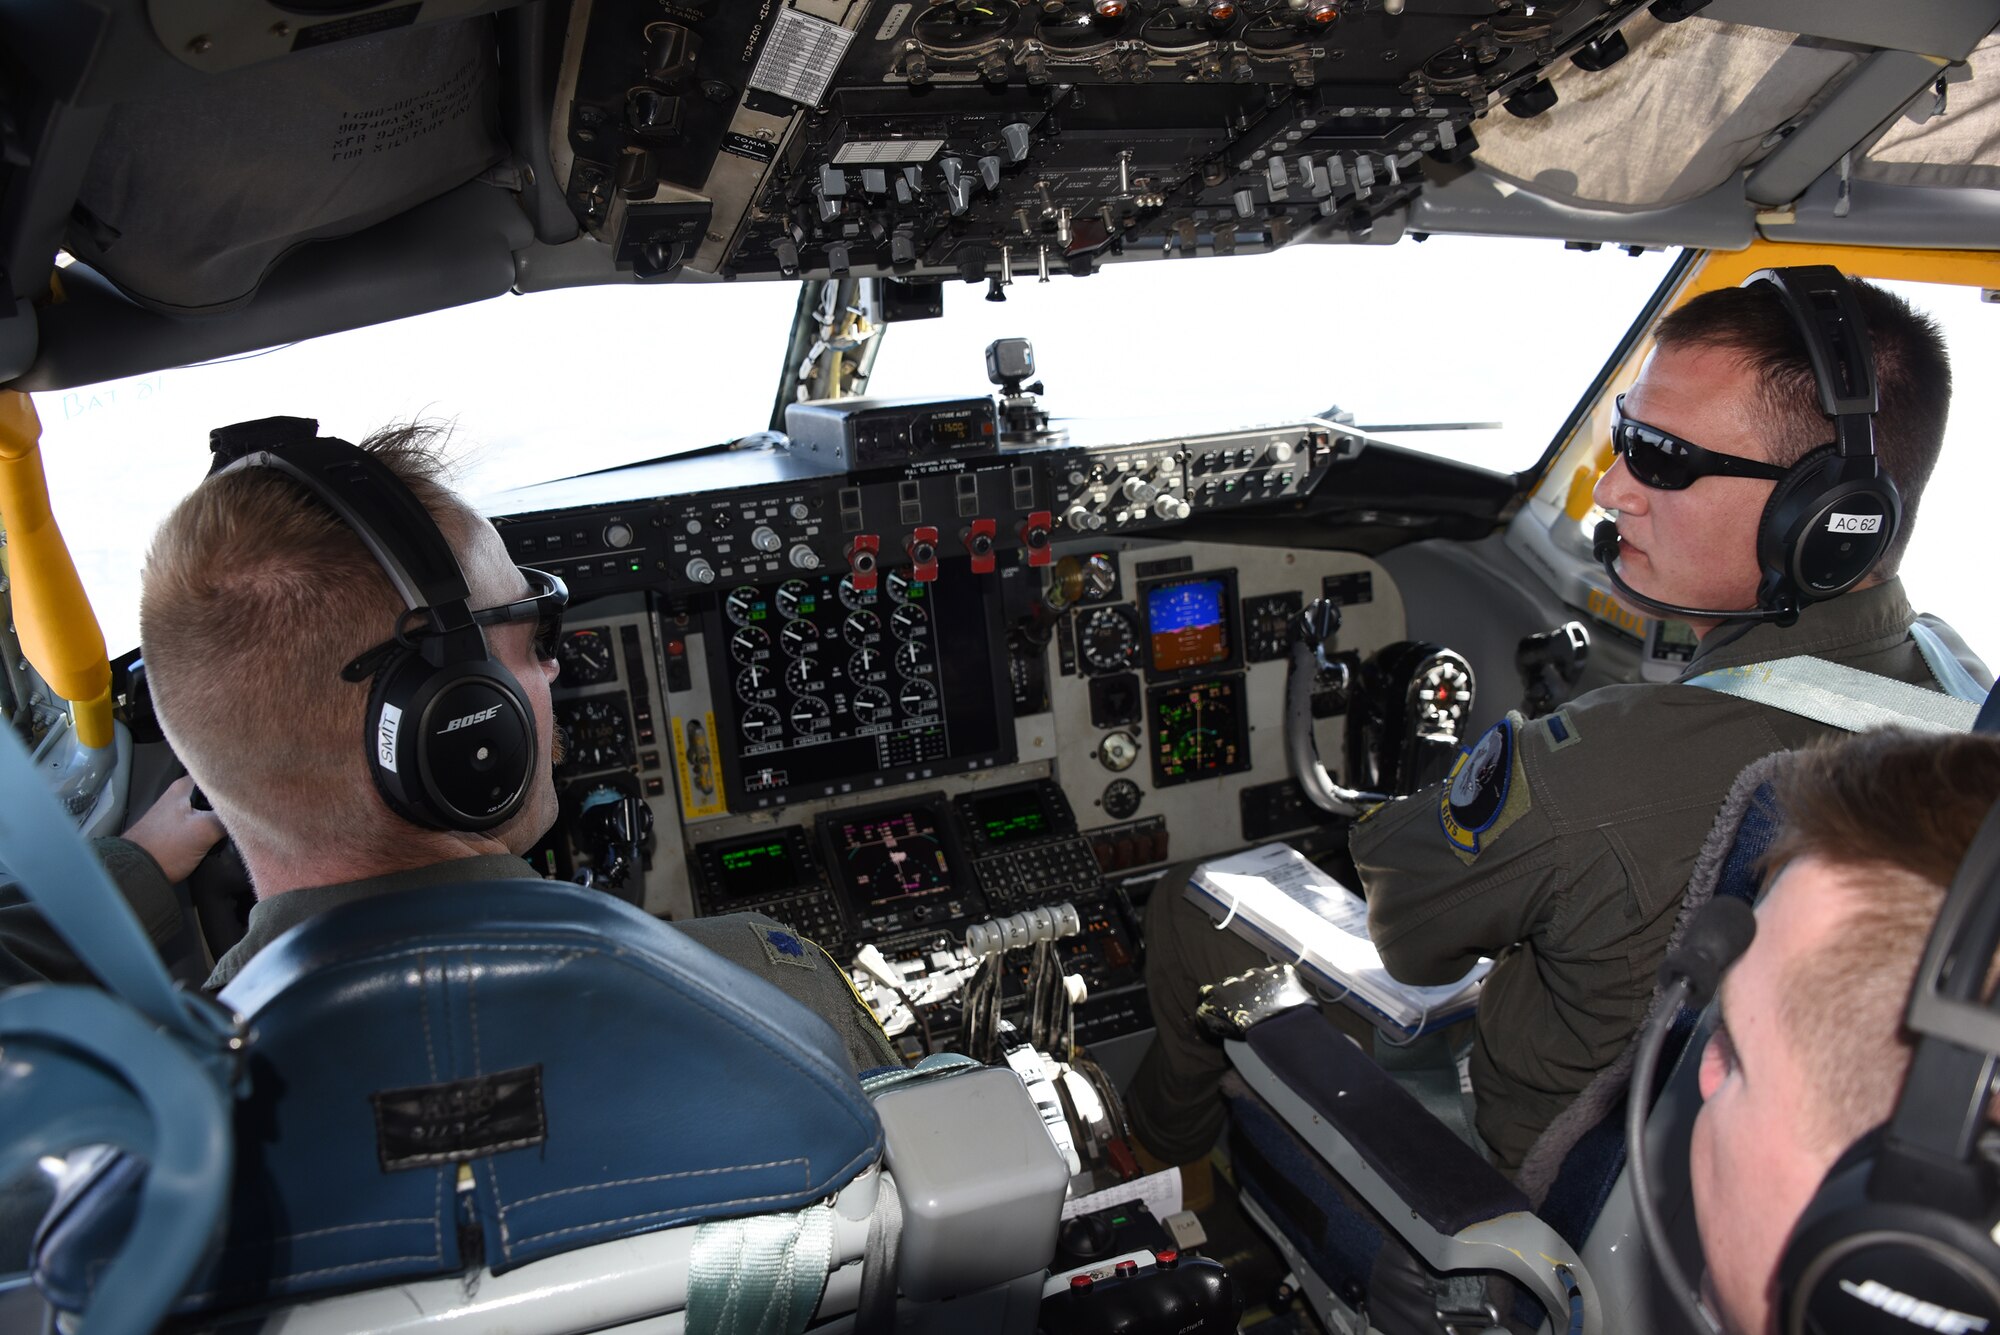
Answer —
1197 731
887 858
826 688
1189 623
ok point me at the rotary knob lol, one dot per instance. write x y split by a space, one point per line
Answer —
765 538
1172 507
618 535
699 571
1139 491
804 558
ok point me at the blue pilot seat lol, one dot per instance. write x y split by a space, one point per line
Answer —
482 1076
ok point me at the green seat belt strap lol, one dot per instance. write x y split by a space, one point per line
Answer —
1849 698
761 1275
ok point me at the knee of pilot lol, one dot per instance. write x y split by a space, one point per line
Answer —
1170 915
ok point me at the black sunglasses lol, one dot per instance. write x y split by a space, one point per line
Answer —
1664 461
547 596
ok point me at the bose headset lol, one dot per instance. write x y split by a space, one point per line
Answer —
450 735
1899 1236
1835 512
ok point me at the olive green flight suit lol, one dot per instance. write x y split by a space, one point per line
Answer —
1588 824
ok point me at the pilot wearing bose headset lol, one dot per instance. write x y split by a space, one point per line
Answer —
356 673
1843 1160
1767 472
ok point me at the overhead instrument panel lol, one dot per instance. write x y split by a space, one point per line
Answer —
823 684
996 136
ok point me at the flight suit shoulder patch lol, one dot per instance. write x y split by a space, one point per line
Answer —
1486 792
1559 730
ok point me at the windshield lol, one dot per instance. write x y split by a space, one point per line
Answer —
1453 330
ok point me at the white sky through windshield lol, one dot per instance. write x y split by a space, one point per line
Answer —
549 385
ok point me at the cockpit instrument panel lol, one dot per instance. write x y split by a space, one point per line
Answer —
828 681
586 657
1198 730
897 866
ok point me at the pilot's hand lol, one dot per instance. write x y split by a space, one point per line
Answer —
175 832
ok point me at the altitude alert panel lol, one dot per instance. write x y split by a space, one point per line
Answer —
968 134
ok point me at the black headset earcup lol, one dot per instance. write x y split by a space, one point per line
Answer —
1827 523
1871 1267
452 747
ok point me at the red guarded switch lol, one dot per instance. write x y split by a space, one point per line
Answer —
982 540
864 559
923 550
1035 538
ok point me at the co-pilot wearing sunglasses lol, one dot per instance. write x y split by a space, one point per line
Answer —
1563 852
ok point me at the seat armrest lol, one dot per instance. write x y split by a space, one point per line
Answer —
1447 1203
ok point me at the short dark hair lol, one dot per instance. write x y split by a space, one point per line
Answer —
1912 374
1896 813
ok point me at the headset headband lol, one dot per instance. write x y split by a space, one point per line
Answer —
370 499
1828 316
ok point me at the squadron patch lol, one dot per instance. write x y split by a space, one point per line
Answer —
1485 793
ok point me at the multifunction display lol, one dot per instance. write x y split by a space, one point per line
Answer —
830 688
1187 622
1198 730
889 858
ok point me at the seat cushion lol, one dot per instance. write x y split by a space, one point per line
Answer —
493 1073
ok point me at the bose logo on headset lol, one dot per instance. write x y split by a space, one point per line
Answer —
468 720
1839 523
1913 1310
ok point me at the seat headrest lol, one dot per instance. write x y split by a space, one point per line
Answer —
594 1073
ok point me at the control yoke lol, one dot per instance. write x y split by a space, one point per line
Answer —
1312 631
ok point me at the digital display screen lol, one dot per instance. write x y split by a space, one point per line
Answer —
951 428
890 858
822 687
1009 818
754 868
1198 731
1189 624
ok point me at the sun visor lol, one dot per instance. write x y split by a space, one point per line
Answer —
1960 147
190 201
1643 134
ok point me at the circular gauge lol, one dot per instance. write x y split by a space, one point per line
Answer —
1441 690
946 29
756 682
854 598
1107 639
871 705
917 697
796 598
911 660
803 677
909 621
1121 799
809 714
742 603
866 665
1117 751
586 658
595 734
798 637
750 644
900 585
760 723
861 628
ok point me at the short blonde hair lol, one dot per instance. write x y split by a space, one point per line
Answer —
1893 813
255 596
